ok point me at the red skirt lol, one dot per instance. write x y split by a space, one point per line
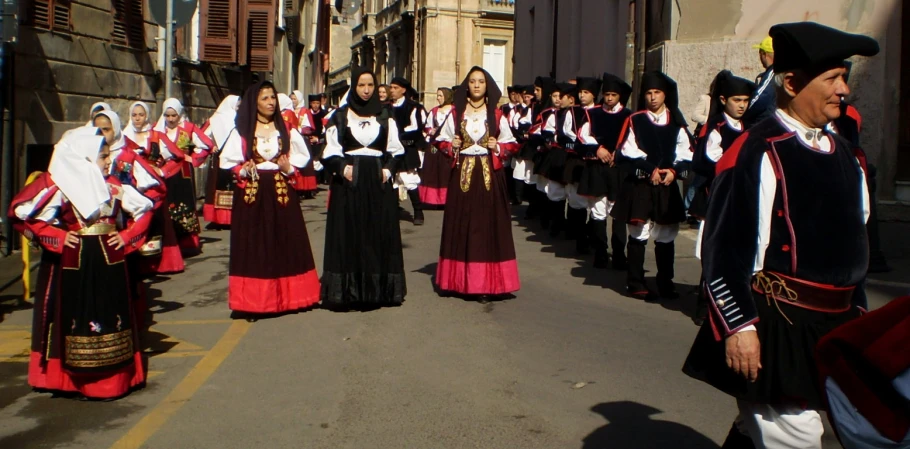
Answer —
477 254
434 177
170 259
218 180
271 266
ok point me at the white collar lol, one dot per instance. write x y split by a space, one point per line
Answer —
733 123
615 109
812 137
398 102
660 118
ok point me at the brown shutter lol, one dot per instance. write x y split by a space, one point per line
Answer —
129 24
218 33
41 14
61 15
257 32
50 14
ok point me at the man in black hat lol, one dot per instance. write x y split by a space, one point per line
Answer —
785 250
658 147
411 118
314 130
575 137
601 177
729 101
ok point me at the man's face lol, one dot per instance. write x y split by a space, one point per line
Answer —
587 97
817 102
767 59
655 99
735 106
527 98
538 93
611 99
566 101
515 97
315 104
555 98
396 92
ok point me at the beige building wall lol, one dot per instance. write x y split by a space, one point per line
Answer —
715 34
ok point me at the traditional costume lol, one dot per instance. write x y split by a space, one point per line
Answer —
522 166
477 254
271 266
650 142
84 336
437 162
95 109
783 193
292 123
219 186
574 136
189 140
600 181
312 127
363 264
410 117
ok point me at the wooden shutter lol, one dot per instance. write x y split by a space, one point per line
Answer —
50 14
257 31
129 23
218 30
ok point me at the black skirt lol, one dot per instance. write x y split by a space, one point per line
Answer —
363 261
96 313
597 181
639 201
574 168
181 198
789 374
554 165
698 208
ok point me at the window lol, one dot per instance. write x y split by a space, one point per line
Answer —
494 60
129 25
50 15
218 30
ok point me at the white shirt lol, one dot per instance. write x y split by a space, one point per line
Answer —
365 130
172 136
683 146
584 133
234 154
412 125
132 202
475 126
713 149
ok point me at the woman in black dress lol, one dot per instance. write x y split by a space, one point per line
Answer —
363 264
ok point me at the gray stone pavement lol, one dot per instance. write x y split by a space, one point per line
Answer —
568 363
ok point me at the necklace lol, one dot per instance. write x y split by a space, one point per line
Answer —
482 104
264 123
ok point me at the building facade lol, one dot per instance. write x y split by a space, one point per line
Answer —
691 40
433 43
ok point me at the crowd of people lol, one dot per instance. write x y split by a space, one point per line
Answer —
768 162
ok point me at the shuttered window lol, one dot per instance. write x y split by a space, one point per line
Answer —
50 14
257 31
218 30
129 26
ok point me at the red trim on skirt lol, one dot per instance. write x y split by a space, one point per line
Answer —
256 295
52 376
478 278
435 196
217 216
190 243
170 261
308 184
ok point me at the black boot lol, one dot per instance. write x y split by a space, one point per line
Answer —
580 231
546 210
558 211
519 191
665 253
414 196
635 280
531 194
701 304
619 239
598 232
736 440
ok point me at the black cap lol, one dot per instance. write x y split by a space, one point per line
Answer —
815 48
527 90
512 89
567 90
727 85
314 97
399 81
662 82
613 83
589 84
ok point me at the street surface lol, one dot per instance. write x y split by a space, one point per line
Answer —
568 363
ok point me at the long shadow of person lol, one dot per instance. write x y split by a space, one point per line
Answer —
631 427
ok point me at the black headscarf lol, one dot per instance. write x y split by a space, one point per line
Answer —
364 108
548 86
727 85
613 83
493 96
665 84
247 117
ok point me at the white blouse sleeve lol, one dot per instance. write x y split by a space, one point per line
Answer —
505 132
712 148
630 148
134 203
232 153
26 210
683 147
393 145
333 143
299 155
447 133
144 180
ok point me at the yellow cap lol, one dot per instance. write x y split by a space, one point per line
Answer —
766 45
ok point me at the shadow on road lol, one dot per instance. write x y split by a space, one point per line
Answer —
12 303
631 426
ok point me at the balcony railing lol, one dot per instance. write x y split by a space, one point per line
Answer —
498 6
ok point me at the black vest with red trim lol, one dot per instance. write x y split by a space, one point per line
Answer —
700 162
848 124
606 127
818 231
317 121
658 141
579 119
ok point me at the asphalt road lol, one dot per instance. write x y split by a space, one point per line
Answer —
568 363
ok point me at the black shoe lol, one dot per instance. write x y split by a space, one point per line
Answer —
668 292
600 264
418 217
645 295
620 265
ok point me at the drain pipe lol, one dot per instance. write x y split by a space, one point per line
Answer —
457 43
641 42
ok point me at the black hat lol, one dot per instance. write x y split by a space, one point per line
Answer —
543 81
512 89
662 82
814 47
399 81
613 83
527 90
454 88
727 85
568 90
314 97
589 84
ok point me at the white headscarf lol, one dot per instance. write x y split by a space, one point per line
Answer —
300 98
115 123
222 121
91 112
75 171
129 130
170 103
285 103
